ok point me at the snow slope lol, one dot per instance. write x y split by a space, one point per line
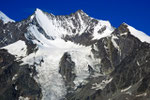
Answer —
19 49
53 26
99 27
140 35
4 18
77 23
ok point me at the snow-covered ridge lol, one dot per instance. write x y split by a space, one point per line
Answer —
75 23
58 26
139 34
5 18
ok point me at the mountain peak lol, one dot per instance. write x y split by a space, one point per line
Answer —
124 29
38 10
81 12
4 18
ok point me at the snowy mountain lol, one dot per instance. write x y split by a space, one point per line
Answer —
4 18
72 57
74 24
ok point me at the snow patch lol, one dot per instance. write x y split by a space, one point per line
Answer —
123 34
138 63
24 98
105 27
102 85
143 94
126 89
14 77
95 47
19 49
115 44
16 88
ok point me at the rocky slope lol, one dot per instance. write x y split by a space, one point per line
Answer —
72 57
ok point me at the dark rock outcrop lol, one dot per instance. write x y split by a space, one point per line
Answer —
130 74
67 67
16 79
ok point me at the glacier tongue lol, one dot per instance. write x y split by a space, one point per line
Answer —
51 51
4 18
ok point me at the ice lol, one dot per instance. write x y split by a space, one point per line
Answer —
82 60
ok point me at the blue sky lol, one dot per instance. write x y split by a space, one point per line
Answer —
134 12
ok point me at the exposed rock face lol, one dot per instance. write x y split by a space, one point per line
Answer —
67 67
72 57
130 76
16 80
